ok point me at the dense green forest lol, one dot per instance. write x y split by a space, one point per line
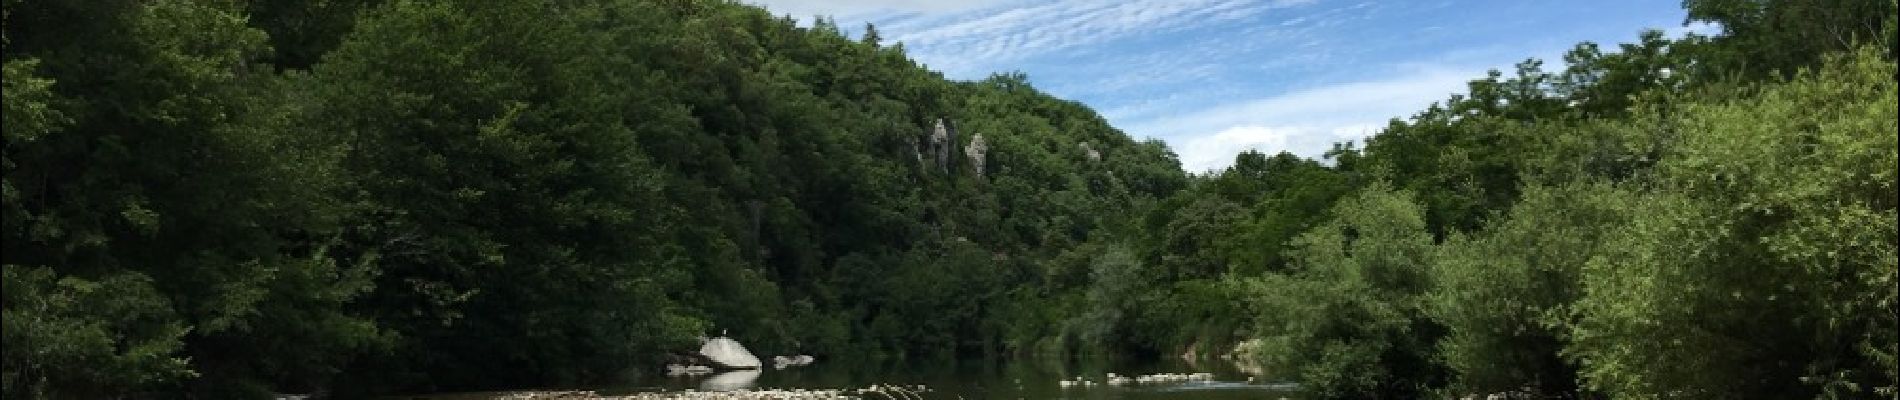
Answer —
222 199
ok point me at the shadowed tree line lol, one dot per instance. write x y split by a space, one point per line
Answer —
227 199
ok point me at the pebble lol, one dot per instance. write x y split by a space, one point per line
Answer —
1119 380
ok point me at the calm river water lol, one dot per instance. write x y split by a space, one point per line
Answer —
971 379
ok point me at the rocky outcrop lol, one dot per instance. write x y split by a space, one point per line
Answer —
950 148
940 144
781 362
725 353
976 150
918 149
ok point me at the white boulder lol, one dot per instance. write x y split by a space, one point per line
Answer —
728 354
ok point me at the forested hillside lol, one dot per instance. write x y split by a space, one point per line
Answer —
1696 217
213 199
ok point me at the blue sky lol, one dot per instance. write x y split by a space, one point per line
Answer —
1215 77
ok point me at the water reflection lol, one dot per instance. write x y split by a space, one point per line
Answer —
731 380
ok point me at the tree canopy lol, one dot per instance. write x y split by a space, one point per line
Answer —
212 199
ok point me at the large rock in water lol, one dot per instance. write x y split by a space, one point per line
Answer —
728 354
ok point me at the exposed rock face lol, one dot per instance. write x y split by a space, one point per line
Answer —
940 143
726 353
950 148
918 150
976 150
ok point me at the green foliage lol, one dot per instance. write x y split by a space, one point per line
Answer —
1505 294
70 337
1777 38
760 179
1764 260
1651 222
158 160
30 113
1349 321
1604 84
301 32
230 200
509 204
1468 156
1298 195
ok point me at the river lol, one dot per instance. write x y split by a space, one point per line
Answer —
970 379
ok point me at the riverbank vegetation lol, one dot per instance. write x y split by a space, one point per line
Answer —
226 200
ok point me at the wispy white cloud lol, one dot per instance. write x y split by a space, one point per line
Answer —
1216 151
1215 77
982 42
860 8
1305 122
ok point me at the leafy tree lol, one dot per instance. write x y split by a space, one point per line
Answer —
74 337
518 225
1349 321
1504 294
1764 260
229 200
301 32
158 160
1769 38
1602 84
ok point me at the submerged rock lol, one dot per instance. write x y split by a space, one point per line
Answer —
780 362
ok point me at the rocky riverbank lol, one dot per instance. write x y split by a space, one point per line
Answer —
874 392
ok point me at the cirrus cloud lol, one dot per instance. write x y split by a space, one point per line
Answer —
1216 77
